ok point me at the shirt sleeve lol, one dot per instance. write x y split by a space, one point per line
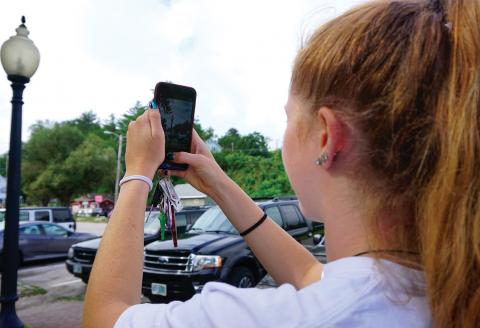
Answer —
220 305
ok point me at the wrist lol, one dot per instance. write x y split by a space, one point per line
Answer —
223 189
149 173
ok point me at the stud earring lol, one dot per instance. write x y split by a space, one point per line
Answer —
322 159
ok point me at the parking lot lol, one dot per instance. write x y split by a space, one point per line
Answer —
50 295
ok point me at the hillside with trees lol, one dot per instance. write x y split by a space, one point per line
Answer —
64 160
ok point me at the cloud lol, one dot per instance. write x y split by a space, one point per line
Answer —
106 55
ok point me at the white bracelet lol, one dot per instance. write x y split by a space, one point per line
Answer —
137 177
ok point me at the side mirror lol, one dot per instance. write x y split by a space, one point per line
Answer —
189 226
318 239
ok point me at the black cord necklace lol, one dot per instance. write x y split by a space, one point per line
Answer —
387 251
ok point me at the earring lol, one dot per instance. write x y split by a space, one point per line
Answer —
322 159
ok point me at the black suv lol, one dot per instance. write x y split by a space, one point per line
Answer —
81 255
212 250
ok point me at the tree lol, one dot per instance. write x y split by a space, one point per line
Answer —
231 140
205 134
3 165
253 143
90 167
49 145
258 176
87 168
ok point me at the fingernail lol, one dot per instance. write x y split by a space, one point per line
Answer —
152 104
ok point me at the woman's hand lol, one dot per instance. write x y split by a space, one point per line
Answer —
203 171
145 144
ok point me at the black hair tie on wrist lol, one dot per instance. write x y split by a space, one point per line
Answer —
255 226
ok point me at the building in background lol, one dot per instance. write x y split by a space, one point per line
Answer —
191 196
3 191
92 205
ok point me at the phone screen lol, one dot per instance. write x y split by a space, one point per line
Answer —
176 104
177 123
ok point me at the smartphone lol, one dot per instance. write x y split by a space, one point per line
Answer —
177 109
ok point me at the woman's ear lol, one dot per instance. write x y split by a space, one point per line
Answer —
332 136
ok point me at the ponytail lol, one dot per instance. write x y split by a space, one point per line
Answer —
450 208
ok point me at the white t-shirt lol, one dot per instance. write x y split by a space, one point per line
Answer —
354 292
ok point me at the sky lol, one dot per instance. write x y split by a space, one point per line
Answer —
104 56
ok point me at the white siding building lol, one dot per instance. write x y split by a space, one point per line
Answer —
191 196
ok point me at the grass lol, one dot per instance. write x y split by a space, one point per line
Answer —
79 297
31 290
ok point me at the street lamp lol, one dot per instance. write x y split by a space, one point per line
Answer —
119 157
20 59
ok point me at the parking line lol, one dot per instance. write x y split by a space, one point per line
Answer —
40 269
66 283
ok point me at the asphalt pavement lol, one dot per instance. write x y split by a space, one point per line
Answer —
49 295
91 227
55 297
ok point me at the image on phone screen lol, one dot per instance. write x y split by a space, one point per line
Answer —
177 123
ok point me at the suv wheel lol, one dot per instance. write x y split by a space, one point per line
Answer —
242 277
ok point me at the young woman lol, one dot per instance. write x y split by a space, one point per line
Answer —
382 143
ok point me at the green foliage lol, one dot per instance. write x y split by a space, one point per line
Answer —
205 134
72 158
259 176
254 143
3 165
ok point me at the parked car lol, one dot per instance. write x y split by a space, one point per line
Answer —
59 215
317 250
90 211
81 255
39 240
212 250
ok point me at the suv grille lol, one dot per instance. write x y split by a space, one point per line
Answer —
176 261
84 255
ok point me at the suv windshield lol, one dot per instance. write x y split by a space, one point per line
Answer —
213 220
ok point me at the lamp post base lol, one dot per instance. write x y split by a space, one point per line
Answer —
8 316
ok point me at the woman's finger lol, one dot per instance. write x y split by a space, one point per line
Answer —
187 158
155 122
174 173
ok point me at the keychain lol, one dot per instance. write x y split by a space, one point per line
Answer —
170 203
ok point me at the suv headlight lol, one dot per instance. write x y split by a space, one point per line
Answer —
70 253
200 262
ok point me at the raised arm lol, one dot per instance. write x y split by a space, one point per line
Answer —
281 255
116 277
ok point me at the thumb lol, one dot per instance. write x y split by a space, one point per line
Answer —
155 122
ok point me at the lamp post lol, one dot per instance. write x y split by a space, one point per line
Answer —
119 158
20 59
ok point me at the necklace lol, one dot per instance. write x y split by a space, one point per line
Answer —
387 251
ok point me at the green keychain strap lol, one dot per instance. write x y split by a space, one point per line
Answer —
163 220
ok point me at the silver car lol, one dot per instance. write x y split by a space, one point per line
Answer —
41 240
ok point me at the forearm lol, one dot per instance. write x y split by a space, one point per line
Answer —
281 255
116 277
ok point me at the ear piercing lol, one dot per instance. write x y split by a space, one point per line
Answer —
322 159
